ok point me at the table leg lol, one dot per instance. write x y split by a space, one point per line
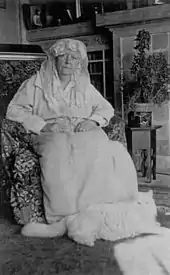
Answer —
143 168
154 154
149 166
143 144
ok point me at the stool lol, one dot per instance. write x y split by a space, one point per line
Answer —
141 143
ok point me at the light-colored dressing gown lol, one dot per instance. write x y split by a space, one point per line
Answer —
78 169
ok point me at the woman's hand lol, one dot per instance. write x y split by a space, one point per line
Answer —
49 127
55 127
86 125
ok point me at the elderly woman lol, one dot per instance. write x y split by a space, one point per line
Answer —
81 169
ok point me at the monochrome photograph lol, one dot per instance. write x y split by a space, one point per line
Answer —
85 137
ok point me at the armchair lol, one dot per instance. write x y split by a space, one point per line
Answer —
20 172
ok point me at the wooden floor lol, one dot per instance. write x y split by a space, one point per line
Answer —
160 188
162 180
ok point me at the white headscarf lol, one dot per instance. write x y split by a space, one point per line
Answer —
50 78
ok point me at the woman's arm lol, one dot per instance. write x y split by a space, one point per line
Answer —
20 108
102 110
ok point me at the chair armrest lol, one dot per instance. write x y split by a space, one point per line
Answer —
14 141
22 169
116 130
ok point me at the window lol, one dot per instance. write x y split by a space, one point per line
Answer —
101 72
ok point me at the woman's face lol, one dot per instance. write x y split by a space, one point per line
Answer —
67 63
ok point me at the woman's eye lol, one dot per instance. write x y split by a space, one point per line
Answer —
75 57
61 56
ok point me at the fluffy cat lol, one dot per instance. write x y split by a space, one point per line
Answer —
107 221
114 221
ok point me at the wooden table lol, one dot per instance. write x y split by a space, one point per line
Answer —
141 144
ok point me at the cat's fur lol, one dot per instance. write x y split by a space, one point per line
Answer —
108 221
114 221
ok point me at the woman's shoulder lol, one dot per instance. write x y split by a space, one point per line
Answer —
34 80
30 82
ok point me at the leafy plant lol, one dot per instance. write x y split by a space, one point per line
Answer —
149 75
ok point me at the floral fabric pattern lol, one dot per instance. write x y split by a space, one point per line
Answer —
21 169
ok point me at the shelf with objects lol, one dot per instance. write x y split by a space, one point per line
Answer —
102 6
107 6
59 13
54 14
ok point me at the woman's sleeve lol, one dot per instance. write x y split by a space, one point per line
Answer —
20 108
102 110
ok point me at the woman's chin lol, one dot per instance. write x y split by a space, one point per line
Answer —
66 71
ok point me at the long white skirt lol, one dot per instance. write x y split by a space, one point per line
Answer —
82 169
90 189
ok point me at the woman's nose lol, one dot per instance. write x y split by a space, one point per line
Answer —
68 58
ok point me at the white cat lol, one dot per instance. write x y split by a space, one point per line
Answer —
114 221
107 221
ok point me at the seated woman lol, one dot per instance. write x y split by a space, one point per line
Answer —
83 173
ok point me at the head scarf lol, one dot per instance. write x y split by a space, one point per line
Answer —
50 78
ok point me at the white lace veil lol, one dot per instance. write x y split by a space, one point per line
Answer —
50 79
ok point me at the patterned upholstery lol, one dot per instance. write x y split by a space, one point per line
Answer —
20 172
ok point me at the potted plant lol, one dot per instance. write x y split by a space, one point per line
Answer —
149 80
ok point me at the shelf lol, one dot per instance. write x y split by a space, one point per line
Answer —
145 14
96 74
98 60
52 33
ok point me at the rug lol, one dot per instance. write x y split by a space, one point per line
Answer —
34 256
24 256
146 255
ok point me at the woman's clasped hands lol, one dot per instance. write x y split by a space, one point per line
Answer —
57 125
86 125
64 126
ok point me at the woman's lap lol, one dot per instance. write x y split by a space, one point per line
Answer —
64 164
26 192
77 171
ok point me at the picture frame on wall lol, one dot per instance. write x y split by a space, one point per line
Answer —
36 16
41 16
